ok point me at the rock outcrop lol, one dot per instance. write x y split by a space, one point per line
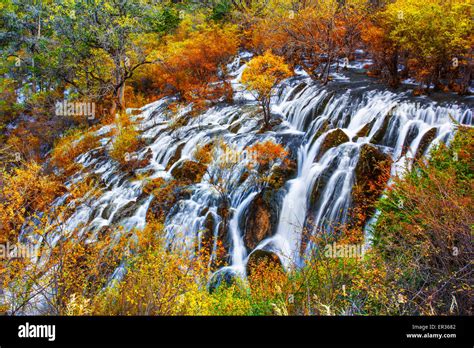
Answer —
332 139
265 258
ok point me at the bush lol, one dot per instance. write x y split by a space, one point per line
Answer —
425 229
70 146
126 142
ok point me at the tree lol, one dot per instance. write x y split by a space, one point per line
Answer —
383 49
261 76
103 43
193 61
313 34
434 39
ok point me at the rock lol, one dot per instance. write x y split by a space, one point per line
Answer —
391 136
129 209
189 172
243 177
380 133
225 214
236 127
258 224
257 257
411 135
276 121
316 111
208 232
364 131
371 174
332 139
208 237
176 156
322 106
107 211
297 90
316 192
321 182
322 129
425 141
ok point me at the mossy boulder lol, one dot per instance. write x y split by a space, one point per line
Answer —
222 277
332 139
425 141
190 172
371 174
258 224
263 258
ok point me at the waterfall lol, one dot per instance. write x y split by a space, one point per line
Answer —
395 124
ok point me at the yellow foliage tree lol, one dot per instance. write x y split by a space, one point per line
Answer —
261 76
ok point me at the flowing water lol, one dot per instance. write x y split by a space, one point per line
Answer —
396 124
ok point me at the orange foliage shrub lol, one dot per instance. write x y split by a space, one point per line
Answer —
425 229
71 146
193 64
25 192
266 154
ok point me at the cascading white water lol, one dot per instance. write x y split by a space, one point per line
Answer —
310 113
336 195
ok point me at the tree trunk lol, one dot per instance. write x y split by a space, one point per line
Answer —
392 67
465 79
121 97
266 113
118 100
113 107
327 68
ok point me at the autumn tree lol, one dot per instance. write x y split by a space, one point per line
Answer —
193 62
261 76
384 51
103 43
313 34
433 40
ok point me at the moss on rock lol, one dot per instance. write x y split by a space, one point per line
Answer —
190 172
258 224
333 139
259 258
